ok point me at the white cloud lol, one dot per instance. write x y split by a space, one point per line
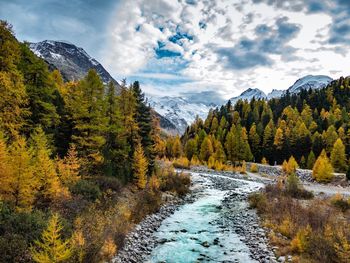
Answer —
137 26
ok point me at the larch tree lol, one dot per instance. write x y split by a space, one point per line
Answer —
177 147
51 248
140 166
206 149
310 160
23 185
68 168
338 157
5 170
44 167
323 170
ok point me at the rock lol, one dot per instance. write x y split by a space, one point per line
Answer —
205 244
282 259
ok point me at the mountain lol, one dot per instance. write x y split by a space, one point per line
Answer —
309 82
249 94
72 61
179 111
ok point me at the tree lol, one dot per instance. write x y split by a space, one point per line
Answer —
23 184
254 141
290 166
143 118
68 167
5 170
338 157
88 106
140 166
206 149
116 149
51 248
44 167
322 170
177 147
311 160
191 148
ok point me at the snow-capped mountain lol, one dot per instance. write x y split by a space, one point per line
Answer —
275 93
309 82
179 111
249 94
72 61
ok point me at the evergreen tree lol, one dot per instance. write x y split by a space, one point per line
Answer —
254 141
143 118
338 157
51 248
140 166
311 160
5 169
116 149
88 113
190 148
268 140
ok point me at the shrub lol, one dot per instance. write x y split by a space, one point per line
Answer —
243 169
87 189
340 202
258 201
254 168
182 163
177 182
264 161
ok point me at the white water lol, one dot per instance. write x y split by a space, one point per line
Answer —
184 232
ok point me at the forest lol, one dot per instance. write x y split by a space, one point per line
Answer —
312 127
77 161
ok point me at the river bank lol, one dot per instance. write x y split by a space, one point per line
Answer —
212 224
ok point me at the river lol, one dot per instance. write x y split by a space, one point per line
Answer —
216 226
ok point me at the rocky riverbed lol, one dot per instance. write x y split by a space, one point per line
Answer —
212 224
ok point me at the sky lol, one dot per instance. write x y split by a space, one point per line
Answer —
199 49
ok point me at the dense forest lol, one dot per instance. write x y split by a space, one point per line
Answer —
77 161
308 125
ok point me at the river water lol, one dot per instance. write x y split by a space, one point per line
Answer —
197 232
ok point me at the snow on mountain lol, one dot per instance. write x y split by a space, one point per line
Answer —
309 82
249 94
73 62
275 93
179 111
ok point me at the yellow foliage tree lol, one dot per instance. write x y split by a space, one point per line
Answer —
5 171
51 248
292 165
322 170
23 183
68 168
140 166
338 157
45 168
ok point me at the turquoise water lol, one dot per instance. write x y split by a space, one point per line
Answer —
197 232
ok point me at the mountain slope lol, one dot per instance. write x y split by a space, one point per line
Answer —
179 111
249 94
72 61
309 82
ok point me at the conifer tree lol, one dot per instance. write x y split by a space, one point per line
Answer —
268 140
23 184
5 169
143 118
190 148
14 97
254 141
116 149
88 107
44 167
206 149
322 170
177 147
338 157
51 248
140 166
68 167
311 160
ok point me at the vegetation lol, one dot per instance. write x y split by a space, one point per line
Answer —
77 161
310 231
300 126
